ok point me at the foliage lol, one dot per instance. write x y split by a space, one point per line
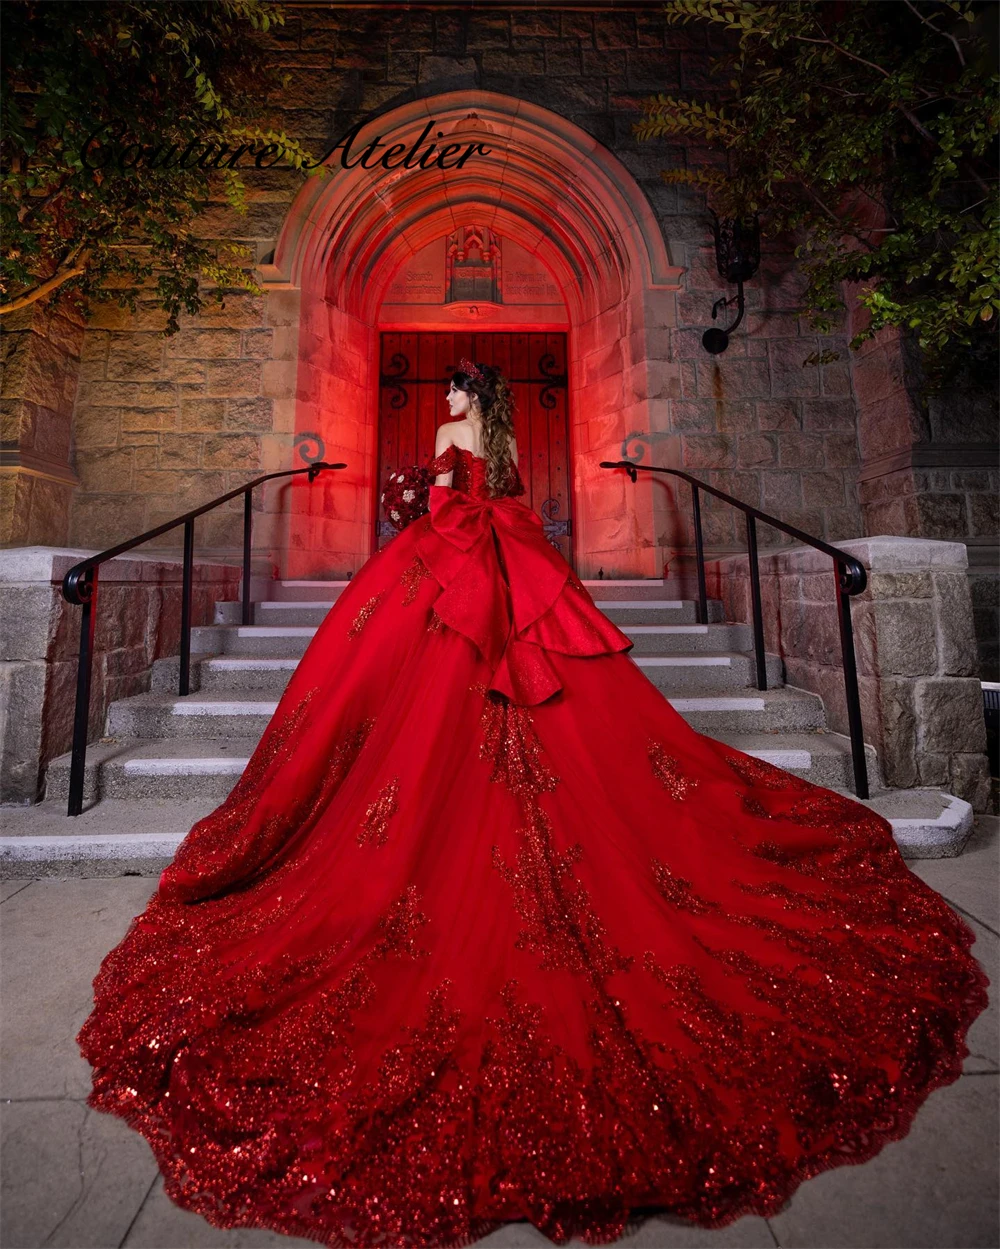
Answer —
870 128
185 81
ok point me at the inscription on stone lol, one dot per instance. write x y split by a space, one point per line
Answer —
527 284
416 284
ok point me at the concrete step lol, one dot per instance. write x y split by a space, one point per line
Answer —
244 714
248 661
184 767
704 673
821 757
599 588
654 611
162 768
308 591
781 710
288 639
673 639
306 612
119 837
644 609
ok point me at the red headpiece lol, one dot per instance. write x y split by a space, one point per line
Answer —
471 369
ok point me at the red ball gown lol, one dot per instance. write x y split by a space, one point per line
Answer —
487 932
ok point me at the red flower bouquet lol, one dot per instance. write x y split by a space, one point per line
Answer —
406 495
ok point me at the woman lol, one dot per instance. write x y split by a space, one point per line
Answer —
487 932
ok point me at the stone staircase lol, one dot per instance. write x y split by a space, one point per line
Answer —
167 760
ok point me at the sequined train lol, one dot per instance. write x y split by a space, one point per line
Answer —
487 932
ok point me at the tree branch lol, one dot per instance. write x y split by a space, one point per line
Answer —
45 288
943 33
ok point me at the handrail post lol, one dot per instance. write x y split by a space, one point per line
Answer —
699 547
758 617
81 718
184 686
247 547
854 722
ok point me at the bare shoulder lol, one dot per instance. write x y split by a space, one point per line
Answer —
445 437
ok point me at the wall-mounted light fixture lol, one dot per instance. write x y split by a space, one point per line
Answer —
737 255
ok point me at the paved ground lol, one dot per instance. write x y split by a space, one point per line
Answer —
75 1178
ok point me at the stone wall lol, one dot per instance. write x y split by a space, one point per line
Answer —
917 660
161 425
138 622
40 362
164 424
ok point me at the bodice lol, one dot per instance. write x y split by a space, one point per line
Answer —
469 473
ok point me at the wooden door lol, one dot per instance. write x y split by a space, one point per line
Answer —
415 370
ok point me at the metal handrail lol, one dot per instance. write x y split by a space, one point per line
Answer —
79 587
851 580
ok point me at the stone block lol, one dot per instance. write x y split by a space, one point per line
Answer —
984 518
736 378
614 30
695 415
22 692
779 414
576 25
543 24
950 715
105 469
905 638
180 451
840 450
736 416
199 415
248 414
210 344
239 378
942 516
897 732
145 421
800 450
254 345
835 379
782 491
824 415
708 451
133 357
758 449
653 69
957 650
231 451
822 489
970 779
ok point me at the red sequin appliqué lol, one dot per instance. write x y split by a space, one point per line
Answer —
829 982
412 578
375 827
668 772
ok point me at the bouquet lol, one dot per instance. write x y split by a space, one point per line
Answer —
406 495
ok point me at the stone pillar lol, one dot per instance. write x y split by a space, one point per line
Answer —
929 463
41 364
138 621
921 698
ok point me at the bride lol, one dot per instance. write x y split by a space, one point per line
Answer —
487 932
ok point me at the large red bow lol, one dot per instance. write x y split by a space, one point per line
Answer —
499 575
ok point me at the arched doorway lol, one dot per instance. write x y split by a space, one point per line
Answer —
553 195
412 380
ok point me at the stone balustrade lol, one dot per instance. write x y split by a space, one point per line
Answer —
138 621
918 665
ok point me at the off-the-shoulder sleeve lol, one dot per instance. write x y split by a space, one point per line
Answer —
444 462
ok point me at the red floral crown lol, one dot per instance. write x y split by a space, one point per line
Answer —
472 370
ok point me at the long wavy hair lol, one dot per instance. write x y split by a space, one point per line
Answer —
497 405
